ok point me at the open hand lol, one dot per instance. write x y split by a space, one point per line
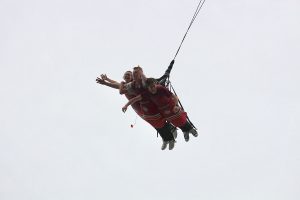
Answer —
100 80
104 77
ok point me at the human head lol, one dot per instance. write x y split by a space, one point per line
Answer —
151 85
127 76
137 73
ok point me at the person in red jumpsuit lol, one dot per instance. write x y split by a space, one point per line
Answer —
130 88
149 111
167 104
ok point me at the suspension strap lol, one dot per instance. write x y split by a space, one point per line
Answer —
199 6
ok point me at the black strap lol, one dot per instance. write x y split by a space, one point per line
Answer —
162 80
165 79
199 6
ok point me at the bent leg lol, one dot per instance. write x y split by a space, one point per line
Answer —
179 119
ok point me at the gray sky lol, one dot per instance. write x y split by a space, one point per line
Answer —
62 136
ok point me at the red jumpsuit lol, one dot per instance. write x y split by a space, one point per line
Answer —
145 108
165 104
136 106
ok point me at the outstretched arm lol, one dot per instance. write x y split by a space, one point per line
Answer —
101 81
104 77
131 101
122 88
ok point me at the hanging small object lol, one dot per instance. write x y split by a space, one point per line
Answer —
132 125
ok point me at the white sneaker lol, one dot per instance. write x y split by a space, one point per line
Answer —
164 145
194 132
186 136
171 144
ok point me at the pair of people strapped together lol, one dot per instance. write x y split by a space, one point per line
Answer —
154 103
167 131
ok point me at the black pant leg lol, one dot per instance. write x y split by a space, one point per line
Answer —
186 127
166 132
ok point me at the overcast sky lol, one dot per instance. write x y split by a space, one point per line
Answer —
62 136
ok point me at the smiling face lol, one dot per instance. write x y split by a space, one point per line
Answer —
128 76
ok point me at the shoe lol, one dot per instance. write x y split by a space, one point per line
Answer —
186 136
194 132
164 145
174 132
171 144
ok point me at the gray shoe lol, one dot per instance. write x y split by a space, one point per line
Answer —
174 132
171 144
186 136
194 132
164 145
